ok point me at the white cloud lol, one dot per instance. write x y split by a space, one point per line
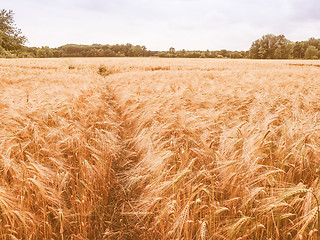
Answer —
159 24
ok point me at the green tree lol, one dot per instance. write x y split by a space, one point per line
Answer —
136 51
283 51
44 52
236 54
41 53
254 50
224 53
311 53
270 46
298 50
314 42
11 38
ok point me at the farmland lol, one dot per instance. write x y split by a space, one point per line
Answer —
149 148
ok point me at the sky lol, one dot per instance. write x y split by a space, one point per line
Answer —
161 24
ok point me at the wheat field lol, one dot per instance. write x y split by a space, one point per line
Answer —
148 148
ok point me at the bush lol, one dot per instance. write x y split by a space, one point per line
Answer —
103 71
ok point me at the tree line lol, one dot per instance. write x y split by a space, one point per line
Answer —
123 50
94 50
12 45
278 47
268 47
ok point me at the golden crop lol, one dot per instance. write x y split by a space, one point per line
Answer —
147 148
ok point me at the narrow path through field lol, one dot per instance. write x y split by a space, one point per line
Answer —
123 222
32 94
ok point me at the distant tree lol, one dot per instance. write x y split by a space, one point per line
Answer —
298 50
254 50
181 53
193 54
11 37
41 53
30 51
283 50
224 53
314 42
311 53
109 53
127 48
172 50
270 46
116 48
136 51
207 53
236 55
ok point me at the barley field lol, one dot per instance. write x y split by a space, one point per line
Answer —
148 148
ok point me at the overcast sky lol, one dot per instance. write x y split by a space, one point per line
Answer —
160 24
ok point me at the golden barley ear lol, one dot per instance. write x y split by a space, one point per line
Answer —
203 231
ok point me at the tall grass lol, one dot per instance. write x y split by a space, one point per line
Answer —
223 147
159 149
